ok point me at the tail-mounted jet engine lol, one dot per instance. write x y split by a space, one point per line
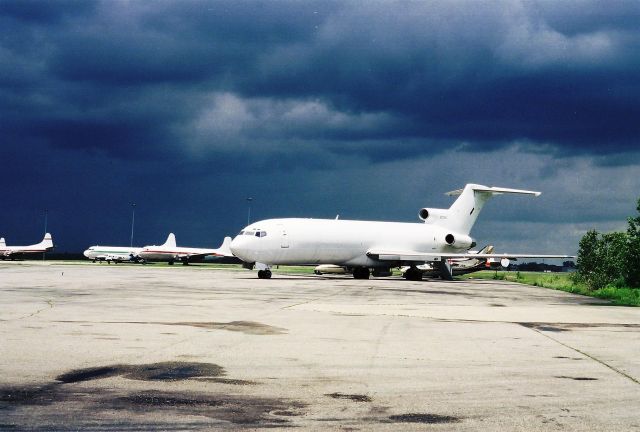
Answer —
459 241
430 215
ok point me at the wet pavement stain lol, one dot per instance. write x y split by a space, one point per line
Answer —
561 327
41 408
577 378
423 418
88 374
164 371
247 327
28 395
228 381
544 327
352 397
45 407
255 411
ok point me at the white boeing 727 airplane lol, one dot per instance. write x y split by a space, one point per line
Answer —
364 245
171 253
11 251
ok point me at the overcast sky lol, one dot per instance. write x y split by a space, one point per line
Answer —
366 109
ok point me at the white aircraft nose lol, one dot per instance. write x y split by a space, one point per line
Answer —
239 248
86 253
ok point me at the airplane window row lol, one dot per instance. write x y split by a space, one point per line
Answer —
253 233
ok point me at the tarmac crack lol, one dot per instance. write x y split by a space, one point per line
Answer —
597 360
49 306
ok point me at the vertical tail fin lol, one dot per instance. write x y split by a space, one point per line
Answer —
2 242
47 241
225 248
171 241
462 214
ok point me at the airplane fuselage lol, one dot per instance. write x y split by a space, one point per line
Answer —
333 241
160 253
112 253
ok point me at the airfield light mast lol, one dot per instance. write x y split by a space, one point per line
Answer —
46 214
249 199
133 219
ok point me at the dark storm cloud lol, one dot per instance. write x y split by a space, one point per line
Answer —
439 74
184 106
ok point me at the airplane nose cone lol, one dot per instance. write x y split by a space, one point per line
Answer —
239 248
86 253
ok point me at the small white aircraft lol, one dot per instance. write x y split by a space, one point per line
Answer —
171 253
113 254
364 245
11 251
459 266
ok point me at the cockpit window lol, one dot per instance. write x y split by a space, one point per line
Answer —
241 232
261 233
249 233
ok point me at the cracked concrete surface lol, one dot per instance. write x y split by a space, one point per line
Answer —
315 353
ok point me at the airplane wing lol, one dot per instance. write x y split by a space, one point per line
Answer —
442 258
413 256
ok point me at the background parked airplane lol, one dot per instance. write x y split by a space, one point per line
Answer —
171 253
12 252
365 245
114 254
459 266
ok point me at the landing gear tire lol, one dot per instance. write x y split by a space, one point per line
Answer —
361 273
170 262
413 274
264 274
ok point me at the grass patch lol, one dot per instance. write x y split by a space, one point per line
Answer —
622 296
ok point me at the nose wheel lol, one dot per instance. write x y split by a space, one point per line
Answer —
264 274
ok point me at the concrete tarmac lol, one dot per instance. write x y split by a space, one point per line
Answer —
97 347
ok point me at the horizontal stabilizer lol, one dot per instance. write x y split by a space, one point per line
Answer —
494 191
464 211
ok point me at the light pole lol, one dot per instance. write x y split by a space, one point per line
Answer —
249 199
133 219
46 214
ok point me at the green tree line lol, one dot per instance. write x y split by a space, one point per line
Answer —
611 259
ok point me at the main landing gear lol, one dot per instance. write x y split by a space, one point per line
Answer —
361 273
264 274
413 274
